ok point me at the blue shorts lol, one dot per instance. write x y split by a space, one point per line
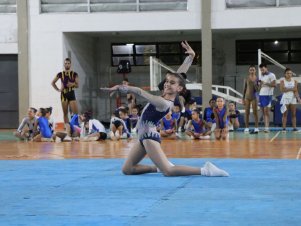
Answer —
151 136
265 101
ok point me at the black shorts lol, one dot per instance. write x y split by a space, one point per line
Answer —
117 123
69 96
102 136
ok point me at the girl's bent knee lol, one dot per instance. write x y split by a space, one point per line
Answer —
127 170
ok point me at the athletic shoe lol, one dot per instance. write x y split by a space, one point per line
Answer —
76 139
283 130
207 137
67 138
210 170
266 130
295 130
256 130
246 130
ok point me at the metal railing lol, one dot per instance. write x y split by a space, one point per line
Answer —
218 90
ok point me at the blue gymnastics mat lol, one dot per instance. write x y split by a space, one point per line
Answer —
94 192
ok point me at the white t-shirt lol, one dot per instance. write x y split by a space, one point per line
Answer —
96 126
267 90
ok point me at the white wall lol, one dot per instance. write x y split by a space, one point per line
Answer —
8 34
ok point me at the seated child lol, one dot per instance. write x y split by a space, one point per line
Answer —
134 117
233 117
188 112
197 127
221 118
118 126
45 131
178 116
96 130
208 115
168 127
25 130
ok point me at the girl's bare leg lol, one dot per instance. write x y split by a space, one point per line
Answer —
189 133
236 123
73 106
217 134
163 133
156 154
224 133
65 112
131 166
255 111
266 111
247 112
292 108
19 135
284 118
37 138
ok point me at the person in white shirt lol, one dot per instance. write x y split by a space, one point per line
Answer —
289 88
96 130
267 84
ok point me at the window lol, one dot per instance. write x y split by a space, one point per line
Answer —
8 6
138 54
250 4
97 6
122 52
282 50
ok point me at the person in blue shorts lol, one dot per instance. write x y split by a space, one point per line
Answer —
267 84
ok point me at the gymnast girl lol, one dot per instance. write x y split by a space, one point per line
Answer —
149 139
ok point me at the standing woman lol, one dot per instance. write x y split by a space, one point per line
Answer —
149 139
289 88
251 87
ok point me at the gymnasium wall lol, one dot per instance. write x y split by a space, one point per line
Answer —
52 36
8 34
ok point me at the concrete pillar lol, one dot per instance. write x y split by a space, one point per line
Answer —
206 52
23 68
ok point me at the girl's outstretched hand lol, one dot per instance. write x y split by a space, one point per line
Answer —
188 48
120 88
